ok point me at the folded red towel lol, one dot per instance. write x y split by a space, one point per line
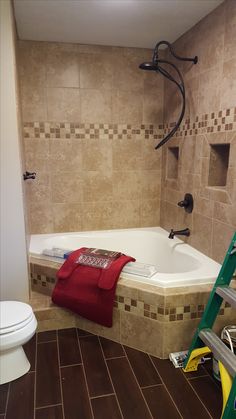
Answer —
86 290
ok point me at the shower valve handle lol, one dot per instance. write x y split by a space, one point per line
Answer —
29 175
187 203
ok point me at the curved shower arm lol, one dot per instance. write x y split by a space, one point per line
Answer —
166 74
155 53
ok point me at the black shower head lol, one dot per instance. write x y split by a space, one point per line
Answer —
150 66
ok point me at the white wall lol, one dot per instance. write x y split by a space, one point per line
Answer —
14 266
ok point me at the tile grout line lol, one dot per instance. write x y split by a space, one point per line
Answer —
85 378
165 387
8 395
118 404
35 368
199 376
148 408
102 395
48 405
154 385
58 357
47 341
114 357
71 365
188 381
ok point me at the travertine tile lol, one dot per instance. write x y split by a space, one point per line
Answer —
228 84
230 29
127 184
126 213
97 186
63 105
65 155
222 235
96 71
202 233
97 156
62 68
96 106
210 81
36 152
67 217
127 76
152 109
33 101
38 189
40 218
97 215
66 187
126 154
225 213
135 332
127 107
106 332
150 184
150 212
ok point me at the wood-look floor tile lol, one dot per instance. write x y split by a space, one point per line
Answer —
3 397
143 368
82 333
160 403
75 394
95 368
47 336
30 351
209 393
128 393
111 349
199 373
105 407
48 381
53 412
69 352
21 398
183 395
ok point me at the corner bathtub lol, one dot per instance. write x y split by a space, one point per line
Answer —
178 264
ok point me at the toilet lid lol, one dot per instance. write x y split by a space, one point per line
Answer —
14 315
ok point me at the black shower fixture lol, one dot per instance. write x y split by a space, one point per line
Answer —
154 65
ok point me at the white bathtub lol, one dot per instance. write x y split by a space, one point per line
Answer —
177 263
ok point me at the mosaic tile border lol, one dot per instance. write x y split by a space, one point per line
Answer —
69 130
221 121
213 122
45 284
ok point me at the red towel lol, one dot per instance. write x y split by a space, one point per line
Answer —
86 290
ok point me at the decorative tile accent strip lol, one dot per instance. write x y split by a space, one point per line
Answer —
69 130
208 123
44 284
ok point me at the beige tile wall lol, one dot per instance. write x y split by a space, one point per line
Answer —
91 181
210 119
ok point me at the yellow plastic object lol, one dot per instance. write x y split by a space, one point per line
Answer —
195 358
226 383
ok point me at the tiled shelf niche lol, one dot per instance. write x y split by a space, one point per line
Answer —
218 167
172 162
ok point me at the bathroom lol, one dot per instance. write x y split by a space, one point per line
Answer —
80 113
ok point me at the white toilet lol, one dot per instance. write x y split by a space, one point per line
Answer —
17 326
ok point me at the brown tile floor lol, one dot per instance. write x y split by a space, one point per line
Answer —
76 375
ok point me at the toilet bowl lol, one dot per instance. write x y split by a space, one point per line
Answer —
17 326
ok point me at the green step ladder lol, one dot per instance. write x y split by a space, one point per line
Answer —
205 340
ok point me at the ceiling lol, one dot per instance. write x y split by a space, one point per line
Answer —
130 23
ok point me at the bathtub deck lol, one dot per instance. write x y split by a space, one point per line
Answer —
77 375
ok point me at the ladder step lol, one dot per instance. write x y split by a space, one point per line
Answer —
228 294
220 350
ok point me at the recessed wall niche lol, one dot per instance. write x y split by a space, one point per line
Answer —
219 162
172 162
